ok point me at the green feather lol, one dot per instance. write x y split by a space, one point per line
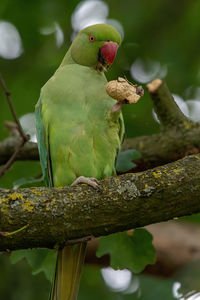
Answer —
43 146
65 286
77 134
83 140
85 53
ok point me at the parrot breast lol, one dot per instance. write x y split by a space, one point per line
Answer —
83 139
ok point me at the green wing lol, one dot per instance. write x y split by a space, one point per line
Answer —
121 138
43 145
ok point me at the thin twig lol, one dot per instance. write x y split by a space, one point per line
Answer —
9 163
12 128
6 233
25 137
8 97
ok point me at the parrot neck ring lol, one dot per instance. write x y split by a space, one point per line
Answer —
106 55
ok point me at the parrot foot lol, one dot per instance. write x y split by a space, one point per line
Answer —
116 107
88 180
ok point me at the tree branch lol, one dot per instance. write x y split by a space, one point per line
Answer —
8 97
167 110
174 142
28 152
12 158
128 201
179 136
156 150
165 147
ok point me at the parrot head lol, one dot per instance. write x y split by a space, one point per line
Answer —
96 46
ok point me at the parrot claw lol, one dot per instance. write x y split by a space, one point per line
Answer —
88 180
116 107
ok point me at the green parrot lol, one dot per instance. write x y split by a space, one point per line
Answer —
79 134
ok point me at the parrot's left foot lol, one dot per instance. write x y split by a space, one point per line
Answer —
88 180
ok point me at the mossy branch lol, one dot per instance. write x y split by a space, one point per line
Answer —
166 108
54 216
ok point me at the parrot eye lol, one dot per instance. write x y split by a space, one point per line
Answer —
91 38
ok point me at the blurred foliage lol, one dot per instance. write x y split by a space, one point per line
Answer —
156 33
18 283
125 159
136 247
40 260
93 287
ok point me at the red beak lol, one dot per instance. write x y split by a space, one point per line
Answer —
108 51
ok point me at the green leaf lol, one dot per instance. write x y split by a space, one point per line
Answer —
133 251
124 160
40 260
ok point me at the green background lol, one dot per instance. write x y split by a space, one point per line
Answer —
164 33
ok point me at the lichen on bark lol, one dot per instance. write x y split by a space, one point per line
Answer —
56 215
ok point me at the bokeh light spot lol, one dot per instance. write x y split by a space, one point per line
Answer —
57 31
146 70
89 12
27 122
117 280
10 41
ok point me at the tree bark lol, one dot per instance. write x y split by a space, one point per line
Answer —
165 147
53 216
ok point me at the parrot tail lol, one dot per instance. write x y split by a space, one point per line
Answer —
68 271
